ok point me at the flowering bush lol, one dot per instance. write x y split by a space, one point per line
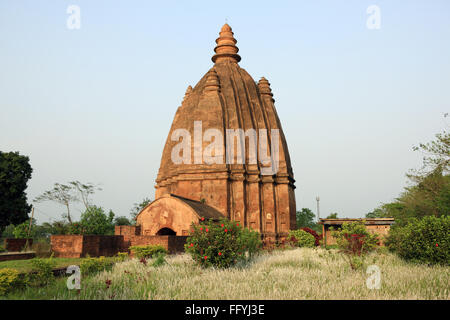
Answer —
301 238
221 244
426 240
76 228
355 241
315 235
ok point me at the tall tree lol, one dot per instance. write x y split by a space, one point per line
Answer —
84 190
62 194
15 171
429 193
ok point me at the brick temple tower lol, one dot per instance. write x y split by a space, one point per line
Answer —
224 100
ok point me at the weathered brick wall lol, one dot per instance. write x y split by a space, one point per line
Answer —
14 245
67 246
172 244
76 246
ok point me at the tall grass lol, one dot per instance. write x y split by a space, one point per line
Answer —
303 273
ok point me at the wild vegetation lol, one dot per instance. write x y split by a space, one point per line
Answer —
302 273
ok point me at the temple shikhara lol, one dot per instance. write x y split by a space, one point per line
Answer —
225 100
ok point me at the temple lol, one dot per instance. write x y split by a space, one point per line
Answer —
224 171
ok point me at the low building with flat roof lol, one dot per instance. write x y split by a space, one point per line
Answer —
378 226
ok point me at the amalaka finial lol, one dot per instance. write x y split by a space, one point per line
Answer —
226 46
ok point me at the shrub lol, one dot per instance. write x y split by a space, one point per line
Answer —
94 265
42 272
21 230
144 252
301 238
122 256
355 241
222 244
9 280
76 228
159 260
426 240
315 235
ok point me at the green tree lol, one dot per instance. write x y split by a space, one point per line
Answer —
138 207
429 194
15 171
122 221
332 216
376 213
95 221
305 218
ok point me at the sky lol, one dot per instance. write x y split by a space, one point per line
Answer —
95 104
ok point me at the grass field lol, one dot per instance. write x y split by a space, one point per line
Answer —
291 274
25 265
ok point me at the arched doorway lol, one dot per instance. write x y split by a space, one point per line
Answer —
166 232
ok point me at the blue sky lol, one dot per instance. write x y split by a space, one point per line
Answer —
96 104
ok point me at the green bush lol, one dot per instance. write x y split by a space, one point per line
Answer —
355 242
21 230
222 244
9 280
354 238
425 241
122 256
42 272
148 251
301 238
94 265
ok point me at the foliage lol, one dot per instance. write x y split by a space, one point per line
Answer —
94 265
426 240
317 238
122 256
138 207
76 228
15 171
332 216
159 260
42 272
429 194
355 241
302 238
221 244
305 219
122 221
9 280
95 221
84 190
21 230
8 232
147 251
